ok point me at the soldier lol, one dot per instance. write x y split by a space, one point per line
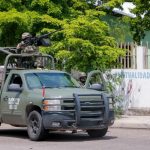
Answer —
82 78
27 46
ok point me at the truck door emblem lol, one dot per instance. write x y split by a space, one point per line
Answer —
13 103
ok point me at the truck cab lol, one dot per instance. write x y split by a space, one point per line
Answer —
45 100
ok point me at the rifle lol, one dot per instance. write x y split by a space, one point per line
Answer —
41 40
46 35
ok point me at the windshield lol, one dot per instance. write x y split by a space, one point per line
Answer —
50 80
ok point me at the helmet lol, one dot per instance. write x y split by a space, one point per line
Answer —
82 74
26 35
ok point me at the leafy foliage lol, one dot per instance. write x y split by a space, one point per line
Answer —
84 43
113 81
86 39
141 23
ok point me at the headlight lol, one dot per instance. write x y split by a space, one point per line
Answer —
51 105
110 102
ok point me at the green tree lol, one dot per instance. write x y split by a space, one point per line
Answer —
84 43
141 22
86 38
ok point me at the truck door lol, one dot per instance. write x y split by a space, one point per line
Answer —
95 80
11 100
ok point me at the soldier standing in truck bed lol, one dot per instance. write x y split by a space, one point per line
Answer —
26 46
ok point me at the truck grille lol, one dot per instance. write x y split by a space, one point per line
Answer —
85 108
68 107
91 107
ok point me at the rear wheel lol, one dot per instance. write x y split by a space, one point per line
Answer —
35 127
97 133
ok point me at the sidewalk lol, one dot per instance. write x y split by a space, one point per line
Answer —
133 122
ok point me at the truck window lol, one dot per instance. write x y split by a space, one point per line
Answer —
15 79
51 80
33 81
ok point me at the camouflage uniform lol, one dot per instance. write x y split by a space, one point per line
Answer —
24 47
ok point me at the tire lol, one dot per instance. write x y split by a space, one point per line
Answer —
97 133
35 127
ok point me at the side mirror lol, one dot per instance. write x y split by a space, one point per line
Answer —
15 87
97 86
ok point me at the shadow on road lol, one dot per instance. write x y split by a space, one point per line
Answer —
54 136
67 137
17 133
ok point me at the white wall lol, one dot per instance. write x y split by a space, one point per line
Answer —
134 88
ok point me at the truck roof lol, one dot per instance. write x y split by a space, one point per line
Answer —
35 71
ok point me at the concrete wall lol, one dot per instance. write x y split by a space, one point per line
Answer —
134 87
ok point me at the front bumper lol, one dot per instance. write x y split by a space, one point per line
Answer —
84 111
60 121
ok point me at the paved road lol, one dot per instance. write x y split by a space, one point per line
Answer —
116 139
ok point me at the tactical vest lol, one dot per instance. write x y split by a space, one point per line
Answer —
30 49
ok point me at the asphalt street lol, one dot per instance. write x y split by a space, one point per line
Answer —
116 139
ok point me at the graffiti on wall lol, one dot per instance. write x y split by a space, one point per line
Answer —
134 87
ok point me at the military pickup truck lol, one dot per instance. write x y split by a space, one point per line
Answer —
45 100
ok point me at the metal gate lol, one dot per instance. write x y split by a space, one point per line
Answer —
129 61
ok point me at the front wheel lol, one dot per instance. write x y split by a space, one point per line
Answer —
97 133
35 127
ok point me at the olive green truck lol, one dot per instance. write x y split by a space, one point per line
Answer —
45 100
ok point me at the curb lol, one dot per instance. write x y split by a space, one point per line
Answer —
132 122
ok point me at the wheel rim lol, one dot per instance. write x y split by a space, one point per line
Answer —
34 125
